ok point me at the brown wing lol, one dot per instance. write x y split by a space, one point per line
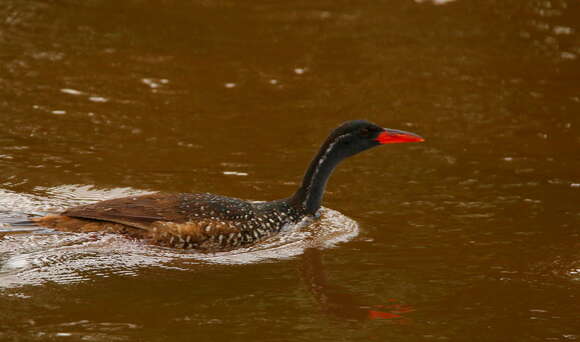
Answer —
135 211
147 210
201 221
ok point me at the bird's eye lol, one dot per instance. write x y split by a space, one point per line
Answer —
364 132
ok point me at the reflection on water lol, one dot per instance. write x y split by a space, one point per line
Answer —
339 302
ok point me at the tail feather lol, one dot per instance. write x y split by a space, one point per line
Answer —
17 223
24 223
62 223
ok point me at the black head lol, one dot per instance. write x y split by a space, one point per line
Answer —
356 136
344 141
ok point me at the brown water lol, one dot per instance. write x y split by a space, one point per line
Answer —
473 235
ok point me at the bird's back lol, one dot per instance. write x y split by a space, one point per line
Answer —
200 221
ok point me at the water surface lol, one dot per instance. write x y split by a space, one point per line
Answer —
472 235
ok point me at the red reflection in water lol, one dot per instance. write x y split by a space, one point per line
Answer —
341 303
390 311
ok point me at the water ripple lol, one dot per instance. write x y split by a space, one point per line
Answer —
47 256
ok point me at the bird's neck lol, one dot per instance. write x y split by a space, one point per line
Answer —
309 195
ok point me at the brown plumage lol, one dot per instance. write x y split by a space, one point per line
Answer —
201 221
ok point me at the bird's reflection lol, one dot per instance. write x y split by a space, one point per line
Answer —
338 302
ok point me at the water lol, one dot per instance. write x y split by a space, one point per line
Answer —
471 235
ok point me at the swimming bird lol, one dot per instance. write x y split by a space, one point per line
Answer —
212 223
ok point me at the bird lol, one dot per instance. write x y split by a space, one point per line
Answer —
212 223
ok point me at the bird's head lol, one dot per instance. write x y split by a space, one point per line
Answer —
356 136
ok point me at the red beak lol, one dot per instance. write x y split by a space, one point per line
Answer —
393 136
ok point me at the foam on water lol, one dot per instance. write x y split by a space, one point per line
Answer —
34 258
